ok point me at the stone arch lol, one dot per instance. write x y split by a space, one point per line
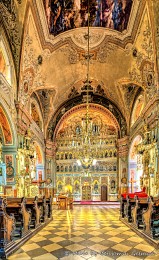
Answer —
101 102
80 108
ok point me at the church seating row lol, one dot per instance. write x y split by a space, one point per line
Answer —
142 211
18 216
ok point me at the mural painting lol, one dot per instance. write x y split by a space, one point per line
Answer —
64 15
2 64
5 127
135 165
39 155
9 168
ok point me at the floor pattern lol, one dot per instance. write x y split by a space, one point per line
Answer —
86 232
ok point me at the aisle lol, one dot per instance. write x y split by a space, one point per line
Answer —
86 232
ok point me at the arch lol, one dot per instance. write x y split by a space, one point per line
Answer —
96 111
99 102
135 165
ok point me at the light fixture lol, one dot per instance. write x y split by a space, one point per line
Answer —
88 131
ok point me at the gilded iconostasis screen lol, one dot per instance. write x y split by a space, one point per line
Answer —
63 15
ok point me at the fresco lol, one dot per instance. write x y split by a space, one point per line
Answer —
63 15
138 107
3 65
5 127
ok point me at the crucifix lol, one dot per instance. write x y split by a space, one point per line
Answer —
132 181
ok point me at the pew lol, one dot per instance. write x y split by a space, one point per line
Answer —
43 209
141 204
127 201
151 218
17 216
7 225
49 207
33 208
17 207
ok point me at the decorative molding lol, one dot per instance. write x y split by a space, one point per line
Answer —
11 24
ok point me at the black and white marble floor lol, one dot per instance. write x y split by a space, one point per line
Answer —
86 232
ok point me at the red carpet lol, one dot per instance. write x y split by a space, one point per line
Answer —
86 202
96 202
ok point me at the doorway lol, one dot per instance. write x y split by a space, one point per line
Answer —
104 193
86 193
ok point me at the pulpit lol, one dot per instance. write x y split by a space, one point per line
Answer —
62 202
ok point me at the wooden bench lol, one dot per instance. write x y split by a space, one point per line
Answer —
141 204
43 209
49 207
127 202
7 225
33 208
17 207
151 218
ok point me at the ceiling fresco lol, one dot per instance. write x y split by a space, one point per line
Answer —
63 15
122 61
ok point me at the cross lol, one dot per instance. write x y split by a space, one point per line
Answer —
132 181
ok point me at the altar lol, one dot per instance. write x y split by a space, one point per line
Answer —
65 202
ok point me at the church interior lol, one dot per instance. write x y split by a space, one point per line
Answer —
79 129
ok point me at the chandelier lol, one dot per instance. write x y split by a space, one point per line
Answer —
88 131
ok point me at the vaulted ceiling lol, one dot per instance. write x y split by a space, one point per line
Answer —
51 65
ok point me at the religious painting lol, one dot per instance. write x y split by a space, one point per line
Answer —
39 176
9 168
9 160
6 130
39 155
3 65
138 107
64 15
35 115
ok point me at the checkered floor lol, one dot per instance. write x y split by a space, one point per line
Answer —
86 232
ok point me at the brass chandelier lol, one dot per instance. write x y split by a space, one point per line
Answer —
86 154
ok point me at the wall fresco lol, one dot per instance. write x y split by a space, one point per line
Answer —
5 128
63 15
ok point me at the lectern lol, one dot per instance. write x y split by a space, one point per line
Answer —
62 202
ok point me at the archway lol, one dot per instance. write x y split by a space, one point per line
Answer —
135 165
68 137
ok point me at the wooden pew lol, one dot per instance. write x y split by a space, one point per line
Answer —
141 204
151 218
33 208
126 201
17 208
43 208
49 207
7 225
123 201
129 206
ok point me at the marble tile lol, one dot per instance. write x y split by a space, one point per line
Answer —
29 247
22 256
121 248
52 247
75 247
